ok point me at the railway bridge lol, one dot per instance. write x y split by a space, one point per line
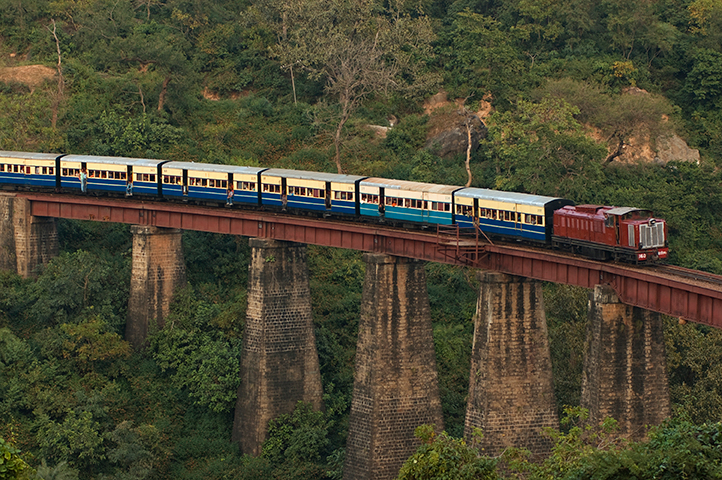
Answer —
511 391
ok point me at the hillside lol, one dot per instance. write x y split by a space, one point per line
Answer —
615 103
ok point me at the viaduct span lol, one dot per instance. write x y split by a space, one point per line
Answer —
511 391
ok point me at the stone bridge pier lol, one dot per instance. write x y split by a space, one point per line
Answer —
511 391
26 241
396 383
157 270
279 361
625 373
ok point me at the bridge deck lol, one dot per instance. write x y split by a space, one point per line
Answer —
663 290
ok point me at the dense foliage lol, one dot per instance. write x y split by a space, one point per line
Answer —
295 84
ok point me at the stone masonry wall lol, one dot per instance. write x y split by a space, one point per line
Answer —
279 361
157 270
511 392
624 368
7 234
26 241
396 382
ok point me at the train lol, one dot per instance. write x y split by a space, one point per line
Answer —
599 232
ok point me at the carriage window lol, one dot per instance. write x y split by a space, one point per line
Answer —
224 183
104 174
211 183
123 175
2 167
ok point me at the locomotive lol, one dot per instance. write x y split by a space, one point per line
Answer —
599 232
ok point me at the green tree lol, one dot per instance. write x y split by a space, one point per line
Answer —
199 347
81 283
480 59
12 465
78 439
359 49
442 457
296 444
540 148
676 449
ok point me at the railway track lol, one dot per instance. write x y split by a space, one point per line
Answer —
689 273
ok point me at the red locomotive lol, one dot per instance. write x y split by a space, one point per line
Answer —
620 233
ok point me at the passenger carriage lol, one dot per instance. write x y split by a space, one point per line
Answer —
316 191
146 177
108 174
210 182
407 201
28 168
507 214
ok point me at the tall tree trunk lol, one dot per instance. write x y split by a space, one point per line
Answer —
617 151
163 91
61 79
337 138
468 151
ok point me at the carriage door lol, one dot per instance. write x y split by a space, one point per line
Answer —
424 207
382 200
284 192
185 182
475 212
517 219
328 195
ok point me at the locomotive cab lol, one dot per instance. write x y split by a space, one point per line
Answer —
638 230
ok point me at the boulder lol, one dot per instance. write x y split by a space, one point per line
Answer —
673 148
448 135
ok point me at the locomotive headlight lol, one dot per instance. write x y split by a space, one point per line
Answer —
641 256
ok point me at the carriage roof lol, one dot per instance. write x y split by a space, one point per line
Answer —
507 197
318 176
409 186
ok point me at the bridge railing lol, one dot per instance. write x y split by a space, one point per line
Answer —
461 244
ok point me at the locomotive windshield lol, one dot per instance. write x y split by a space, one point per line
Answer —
638 215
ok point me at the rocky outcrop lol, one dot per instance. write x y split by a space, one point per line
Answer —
673 148
448 135
453 138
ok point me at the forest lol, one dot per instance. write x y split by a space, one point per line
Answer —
295 84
